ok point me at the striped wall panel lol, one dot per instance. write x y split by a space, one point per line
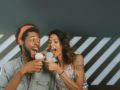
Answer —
101 56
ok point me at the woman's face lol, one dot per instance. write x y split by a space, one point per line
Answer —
54 45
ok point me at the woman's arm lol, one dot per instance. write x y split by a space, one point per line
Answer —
79 70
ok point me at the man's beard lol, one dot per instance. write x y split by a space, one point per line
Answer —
27 52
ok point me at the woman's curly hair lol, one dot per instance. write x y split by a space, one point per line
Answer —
67 51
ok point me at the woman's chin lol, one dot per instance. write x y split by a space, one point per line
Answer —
55 54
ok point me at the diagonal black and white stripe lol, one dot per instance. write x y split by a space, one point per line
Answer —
101 55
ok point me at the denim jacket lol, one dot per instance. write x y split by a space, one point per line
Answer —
39 81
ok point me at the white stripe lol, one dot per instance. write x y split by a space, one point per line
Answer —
106 71
85 45
115 78
14 51
43 40
10 54
6 43
1 35
0 70
104 56
74 40
97 48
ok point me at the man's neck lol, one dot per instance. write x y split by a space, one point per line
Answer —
25 58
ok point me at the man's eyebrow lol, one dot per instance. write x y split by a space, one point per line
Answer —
32 36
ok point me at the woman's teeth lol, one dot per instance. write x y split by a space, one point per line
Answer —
53 49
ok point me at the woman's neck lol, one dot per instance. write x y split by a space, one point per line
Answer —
60 60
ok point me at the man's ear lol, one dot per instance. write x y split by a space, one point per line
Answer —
20 42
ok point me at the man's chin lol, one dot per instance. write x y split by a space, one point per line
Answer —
33 56
33 53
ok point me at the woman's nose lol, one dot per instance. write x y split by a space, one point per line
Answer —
52 44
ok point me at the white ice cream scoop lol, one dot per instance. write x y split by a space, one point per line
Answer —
51 57
39 56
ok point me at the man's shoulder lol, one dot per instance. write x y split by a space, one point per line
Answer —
12 63
10 67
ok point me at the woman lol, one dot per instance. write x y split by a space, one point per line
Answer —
69 67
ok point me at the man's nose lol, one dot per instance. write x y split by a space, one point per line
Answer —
37 42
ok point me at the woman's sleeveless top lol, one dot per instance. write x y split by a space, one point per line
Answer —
71 74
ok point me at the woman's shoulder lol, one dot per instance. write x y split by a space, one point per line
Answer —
78 56
78 59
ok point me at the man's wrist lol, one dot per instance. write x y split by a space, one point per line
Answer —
21 71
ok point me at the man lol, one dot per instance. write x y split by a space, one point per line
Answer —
26 73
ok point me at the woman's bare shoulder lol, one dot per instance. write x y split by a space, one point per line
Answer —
78 59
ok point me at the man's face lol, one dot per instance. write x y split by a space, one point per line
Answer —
31 44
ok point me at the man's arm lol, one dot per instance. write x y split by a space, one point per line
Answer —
30 67
13 84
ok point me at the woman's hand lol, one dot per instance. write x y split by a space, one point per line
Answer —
54 67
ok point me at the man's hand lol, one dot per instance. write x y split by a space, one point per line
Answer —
32 66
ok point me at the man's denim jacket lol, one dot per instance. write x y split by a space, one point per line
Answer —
39 81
